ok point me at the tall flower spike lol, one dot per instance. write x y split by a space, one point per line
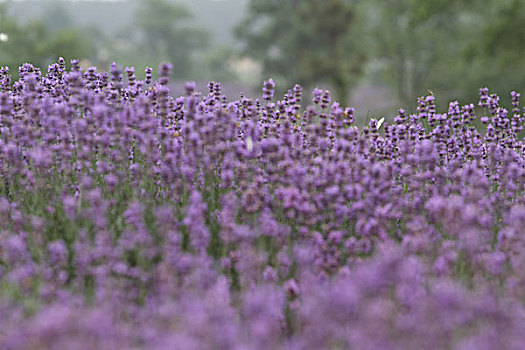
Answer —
268 89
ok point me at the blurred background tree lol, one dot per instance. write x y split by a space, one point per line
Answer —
495 54
305 42
163 31
33 42
353 47
450 47
417 45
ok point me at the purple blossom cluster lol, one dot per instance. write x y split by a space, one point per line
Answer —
132 219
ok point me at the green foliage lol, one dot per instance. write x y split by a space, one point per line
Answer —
451 47
415 42
448 46
164 33
35 43
495 54
305 42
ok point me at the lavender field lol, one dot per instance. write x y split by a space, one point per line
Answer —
133 219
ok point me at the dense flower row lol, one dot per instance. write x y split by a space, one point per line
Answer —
133 219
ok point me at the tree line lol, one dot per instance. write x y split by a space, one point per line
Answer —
451 47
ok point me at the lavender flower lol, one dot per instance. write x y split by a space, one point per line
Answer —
268 90
133 218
